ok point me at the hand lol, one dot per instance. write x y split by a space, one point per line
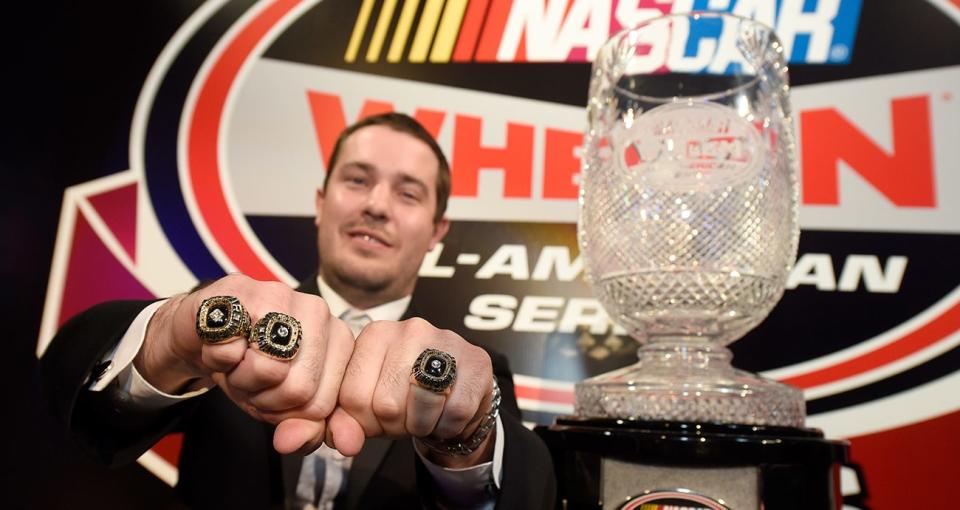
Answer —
378 397
298 395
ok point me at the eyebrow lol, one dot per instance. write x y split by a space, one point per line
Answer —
360 165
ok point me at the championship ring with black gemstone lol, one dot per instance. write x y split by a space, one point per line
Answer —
435 370
221 318
278 335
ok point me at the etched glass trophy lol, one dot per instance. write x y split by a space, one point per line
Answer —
688 217
688 231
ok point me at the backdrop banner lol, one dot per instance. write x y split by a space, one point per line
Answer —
238 112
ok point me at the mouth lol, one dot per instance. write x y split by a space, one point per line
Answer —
368 238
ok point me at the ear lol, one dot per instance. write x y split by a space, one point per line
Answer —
439 230
319 206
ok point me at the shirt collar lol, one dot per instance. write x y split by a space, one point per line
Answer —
391 311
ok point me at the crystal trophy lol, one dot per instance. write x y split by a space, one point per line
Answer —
688 216
688 231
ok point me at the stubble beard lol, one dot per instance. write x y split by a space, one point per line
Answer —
368 282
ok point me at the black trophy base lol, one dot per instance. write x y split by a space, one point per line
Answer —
622 464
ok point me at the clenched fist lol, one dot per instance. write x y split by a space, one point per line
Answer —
297 395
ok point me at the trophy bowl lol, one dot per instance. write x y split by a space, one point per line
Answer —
688 215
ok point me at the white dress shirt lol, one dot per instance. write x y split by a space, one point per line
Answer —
462 488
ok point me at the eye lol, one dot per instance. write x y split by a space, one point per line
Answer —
356 179
410 195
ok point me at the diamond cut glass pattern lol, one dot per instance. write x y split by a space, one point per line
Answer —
688 215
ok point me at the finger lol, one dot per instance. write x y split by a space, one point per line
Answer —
297 435
393 387
340 346
300 385
423 410
344 433
324 400
363 372
256 373
223 357
474 383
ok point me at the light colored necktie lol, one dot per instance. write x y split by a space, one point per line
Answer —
355 320
324 472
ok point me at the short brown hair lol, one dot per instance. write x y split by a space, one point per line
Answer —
404 124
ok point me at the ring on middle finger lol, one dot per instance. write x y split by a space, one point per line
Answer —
277 335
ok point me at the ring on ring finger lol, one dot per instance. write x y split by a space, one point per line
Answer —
221 318
434 370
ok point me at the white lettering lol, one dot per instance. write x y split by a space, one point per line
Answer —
490 312
557 257
586 26
584 312
875 279
813 269
538 314
629 13
429 267
509 259
539 23
657 37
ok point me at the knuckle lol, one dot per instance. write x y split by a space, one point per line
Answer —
419 326
459 412
234 279
486 363
352 402
375 329
387 409
319 306
279 292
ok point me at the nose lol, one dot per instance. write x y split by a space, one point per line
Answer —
377 206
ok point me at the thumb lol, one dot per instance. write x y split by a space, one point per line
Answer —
297 435
346 433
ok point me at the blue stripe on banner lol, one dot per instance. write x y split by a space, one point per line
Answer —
160 144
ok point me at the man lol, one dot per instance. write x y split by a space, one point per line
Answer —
147 371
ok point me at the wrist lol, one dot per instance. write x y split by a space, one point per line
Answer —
483 453
158 361
477 447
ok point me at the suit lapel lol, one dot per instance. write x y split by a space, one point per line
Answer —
290 466
363 468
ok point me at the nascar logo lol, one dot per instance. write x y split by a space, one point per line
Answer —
812 32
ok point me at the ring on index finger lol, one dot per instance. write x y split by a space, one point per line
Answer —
277 335
221 318
435 370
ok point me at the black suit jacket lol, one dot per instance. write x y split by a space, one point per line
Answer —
228 460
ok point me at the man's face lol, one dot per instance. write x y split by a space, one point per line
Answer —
375 217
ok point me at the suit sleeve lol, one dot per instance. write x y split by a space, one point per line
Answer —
98 420
528 479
